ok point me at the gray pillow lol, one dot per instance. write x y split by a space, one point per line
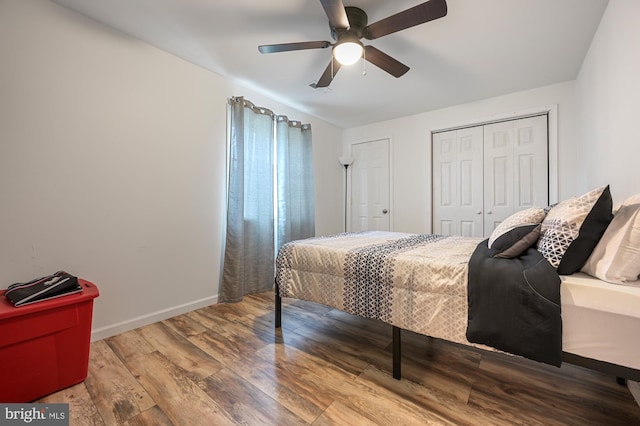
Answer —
516 241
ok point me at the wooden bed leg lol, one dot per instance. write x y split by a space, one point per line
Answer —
397 373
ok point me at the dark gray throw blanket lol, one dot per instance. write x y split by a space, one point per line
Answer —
514 305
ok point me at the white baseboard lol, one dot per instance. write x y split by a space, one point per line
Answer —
121 327
634 387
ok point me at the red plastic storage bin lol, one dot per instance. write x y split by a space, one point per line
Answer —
44 346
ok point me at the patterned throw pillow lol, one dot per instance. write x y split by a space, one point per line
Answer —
530 216
572 229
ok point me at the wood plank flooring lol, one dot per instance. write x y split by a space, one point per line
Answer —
226 364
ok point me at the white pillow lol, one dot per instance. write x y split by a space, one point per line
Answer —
530 216
634 199
616 258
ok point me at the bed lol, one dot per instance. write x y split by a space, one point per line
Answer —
421 283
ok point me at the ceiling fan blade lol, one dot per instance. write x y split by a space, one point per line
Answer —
328 74
416 15
336 13
286 47
384 61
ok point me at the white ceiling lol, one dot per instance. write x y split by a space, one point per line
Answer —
481 49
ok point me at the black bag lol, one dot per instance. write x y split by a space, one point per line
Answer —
45 288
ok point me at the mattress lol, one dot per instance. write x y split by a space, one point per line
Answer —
415 282
601 320
426 291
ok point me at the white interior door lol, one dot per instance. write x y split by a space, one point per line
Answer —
516 172
369 209
457 182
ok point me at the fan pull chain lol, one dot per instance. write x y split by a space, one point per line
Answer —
364 62
332 59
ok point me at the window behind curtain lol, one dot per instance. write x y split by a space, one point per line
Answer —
295 197
256 138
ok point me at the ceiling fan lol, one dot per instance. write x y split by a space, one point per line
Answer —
349 25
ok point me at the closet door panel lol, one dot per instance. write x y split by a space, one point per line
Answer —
444 182
457 182
532 164
469 215
498 174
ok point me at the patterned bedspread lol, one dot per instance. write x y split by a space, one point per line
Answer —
413 281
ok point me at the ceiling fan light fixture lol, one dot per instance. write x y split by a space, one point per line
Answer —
349 25
348 52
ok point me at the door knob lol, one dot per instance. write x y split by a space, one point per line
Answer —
385 211
479 212
489 212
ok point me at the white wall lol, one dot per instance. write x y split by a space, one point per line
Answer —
112 165
411 147
608 91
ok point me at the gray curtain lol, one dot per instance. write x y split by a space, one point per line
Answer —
249 247
296 205
252 230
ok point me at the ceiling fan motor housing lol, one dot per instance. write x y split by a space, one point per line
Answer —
357 21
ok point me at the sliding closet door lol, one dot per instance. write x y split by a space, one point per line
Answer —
457 182
516 174
484 174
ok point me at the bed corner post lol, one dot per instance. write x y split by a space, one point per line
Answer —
397 373
278 307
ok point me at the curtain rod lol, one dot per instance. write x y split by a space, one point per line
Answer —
267 111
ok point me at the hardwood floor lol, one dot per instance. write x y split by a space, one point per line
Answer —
226 364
